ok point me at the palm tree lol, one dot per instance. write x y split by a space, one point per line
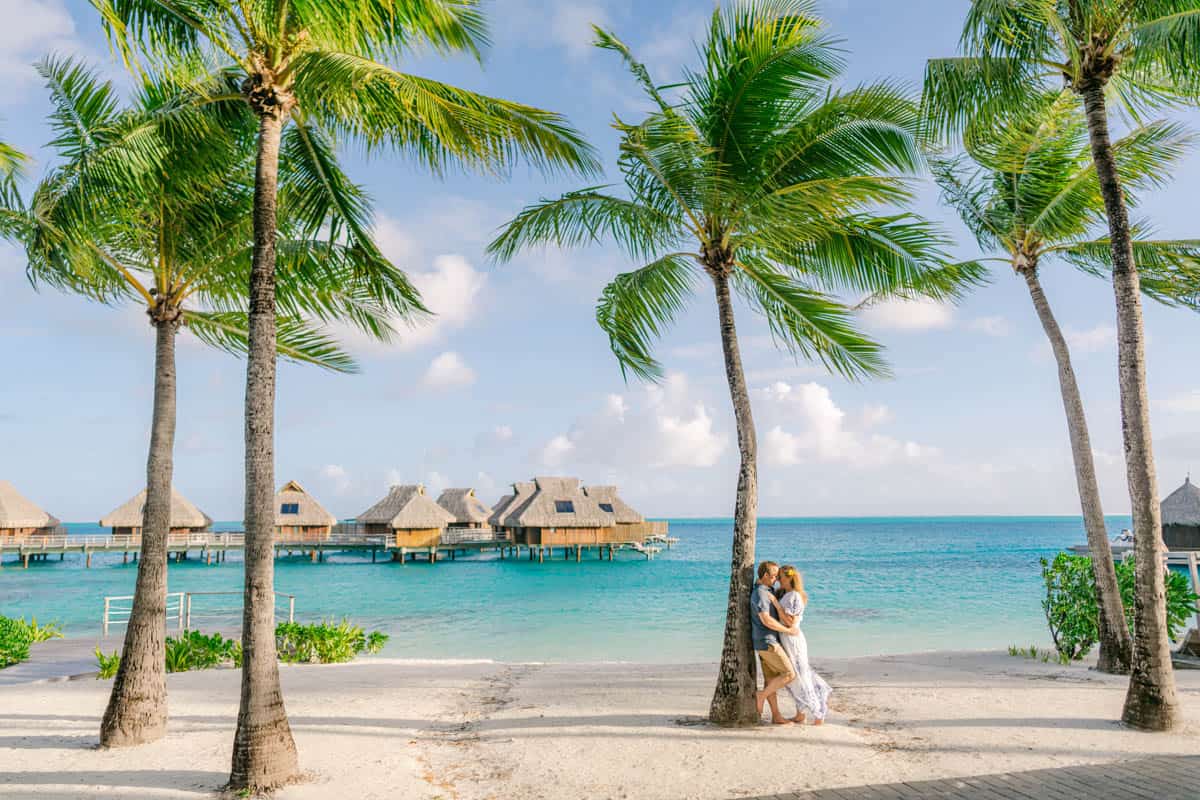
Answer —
319 67
151 205
1141 54
1028 188
763 178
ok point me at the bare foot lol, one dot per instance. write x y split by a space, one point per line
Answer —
781 721
818 722
799 720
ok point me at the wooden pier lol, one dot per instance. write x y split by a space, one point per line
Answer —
213 548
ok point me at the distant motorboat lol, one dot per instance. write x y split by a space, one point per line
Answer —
1124 537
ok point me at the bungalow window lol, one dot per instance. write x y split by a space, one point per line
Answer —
289 508
606 507
564 507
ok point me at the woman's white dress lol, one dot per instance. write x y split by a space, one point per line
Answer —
809 690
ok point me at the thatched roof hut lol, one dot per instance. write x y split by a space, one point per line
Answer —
19 516
468 510
299 515
1181 517
496 518
607 499
560 503
409 513
127 517
522 493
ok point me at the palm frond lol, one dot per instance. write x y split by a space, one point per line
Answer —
808 323
583 216
296 339
438 124
636 307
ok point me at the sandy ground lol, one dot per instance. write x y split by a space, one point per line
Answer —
382 728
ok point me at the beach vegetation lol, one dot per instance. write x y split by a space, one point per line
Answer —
1070 602
758 177
318 643
1027 188
323 72
17 635
326 642
1139 57
151 204
107 664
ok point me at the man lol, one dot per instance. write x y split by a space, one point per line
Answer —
777 668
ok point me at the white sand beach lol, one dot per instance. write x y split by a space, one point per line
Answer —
386 728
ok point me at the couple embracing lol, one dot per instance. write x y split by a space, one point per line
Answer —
777 604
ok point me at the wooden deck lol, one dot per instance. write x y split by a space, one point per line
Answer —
1159 778
212 548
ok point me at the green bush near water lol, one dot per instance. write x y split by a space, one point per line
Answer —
16 636
321 643
1070 602
325 642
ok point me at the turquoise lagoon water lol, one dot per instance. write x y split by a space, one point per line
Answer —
877 585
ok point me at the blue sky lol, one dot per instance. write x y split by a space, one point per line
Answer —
514 379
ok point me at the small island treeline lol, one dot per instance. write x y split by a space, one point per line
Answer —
537 518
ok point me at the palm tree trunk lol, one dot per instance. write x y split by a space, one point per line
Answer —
733 699
1115 641
264 753
137 707
1151 702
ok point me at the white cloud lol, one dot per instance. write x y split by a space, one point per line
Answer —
556 451
990 326
1184 402
656 426
822 432
31 29
1099 339
499 437
571 27
435 483
448 371
338 476
909 315
1092 340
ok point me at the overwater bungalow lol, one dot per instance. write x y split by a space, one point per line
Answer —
559 512
20 518
126 519
607 499
470 513
510 503
1181 517
408 514
299 517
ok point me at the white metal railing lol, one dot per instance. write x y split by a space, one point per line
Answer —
179 608
117 613
472 535
34 543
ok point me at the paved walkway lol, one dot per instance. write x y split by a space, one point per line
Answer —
1161 778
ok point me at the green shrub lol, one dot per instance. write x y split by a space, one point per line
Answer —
195 650
107 665
1070 602
325 642
322 643
16 635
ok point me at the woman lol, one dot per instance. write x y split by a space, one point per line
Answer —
809 690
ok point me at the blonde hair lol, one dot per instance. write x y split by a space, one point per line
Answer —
797 580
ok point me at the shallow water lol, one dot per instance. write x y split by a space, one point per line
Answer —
876 585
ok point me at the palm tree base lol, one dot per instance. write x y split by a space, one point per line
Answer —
1147 710
136 720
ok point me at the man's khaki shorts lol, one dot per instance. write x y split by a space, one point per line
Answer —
775 662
